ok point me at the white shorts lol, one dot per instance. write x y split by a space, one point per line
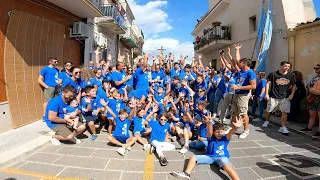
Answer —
282 104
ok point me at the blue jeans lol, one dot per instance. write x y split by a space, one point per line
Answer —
198 144
260 105
217 98
210 98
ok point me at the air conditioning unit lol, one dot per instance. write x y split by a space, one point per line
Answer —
79 30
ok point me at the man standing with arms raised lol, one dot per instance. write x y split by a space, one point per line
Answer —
246 81
278 83
48 79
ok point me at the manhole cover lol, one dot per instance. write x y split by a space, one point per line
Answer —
302 167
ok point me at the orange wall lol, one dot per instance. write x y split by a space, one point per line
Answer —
25 51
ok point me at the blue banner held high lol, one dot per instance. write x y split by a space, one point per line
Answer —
267 35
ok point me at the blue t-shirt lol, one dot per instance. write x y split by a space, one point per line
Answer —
142 79
139 123
95 104
107 76
118 76
130 82
91 67
63 76
244 78
159 131
76 84
200 85
218 148
101 93
122 128
112 103
50 76
138 94
261 84
202 131
70 109
197 99
174 72
96 81
157 75
55 105
183 75
222 84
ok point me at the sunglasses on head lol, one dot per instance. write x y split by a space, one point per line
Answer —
316 68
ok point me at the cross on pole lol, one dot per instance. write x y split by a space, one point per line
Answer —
161 49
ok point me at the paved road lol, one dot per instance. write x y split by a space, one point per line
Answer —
264 154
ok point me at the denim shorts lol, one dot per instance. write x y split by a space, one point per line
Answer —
204 159
122 139
142 133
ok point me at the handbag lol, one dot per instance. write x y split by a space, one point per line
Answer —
311 98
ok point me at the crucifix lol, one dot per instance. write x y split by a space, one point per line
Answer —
161 53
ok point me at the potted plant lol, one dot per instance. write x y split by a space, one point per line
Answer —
216 23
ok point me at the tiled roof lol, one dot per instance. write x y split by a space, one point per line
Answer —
304 23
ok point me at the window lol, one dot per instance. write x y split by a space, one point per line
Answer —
253 24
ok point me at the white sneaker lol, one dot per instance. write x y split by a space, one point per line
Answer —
182 142
129 148
55 141
228 130
121 151
214 115
146 147
244 134
283 130
265 124
184 150
256 120
75 140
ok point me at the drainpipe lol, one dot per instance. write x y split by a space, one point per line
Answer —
291 44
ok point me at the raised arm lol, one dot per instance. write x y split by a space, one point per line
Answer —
97 52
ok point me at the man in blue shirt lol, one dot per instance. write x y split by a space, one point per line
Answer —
55 119
119 78
141 75
245 82
48 79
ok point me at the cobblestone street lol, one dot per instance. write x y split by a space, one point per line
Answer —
264 154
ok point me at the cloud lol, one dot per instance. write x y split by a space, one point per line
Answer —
171 45
151 17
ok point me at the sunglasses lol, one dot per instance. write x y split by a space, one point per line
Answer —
200 91
316 68
163 119
77 72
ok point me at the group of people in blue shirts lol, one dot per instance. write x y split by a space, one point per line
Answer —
163 102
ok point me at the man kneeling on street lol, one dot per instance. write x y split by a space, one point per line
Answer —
60 124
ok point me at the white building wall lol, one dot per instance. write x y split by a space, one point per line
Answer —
287 13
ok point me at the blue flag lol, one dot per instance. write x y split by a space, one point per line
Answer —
267 35
262 23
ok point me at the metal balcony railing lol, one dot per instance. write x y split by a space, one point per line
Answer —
112 11
98 4
213 34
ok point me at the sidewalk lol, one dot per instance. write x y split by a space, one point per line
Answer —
17 142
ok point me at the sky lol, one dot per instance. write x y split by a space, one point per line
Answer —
169 23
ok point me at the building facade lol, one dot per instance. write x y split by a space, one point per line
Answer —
231 21
33 30
304 48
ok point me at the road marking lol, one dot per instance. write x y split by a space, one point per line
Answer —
148 172
37 175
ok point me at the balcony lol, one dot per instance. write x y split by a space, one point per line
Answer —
130 38
112 21
81 8
213 39
212 14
